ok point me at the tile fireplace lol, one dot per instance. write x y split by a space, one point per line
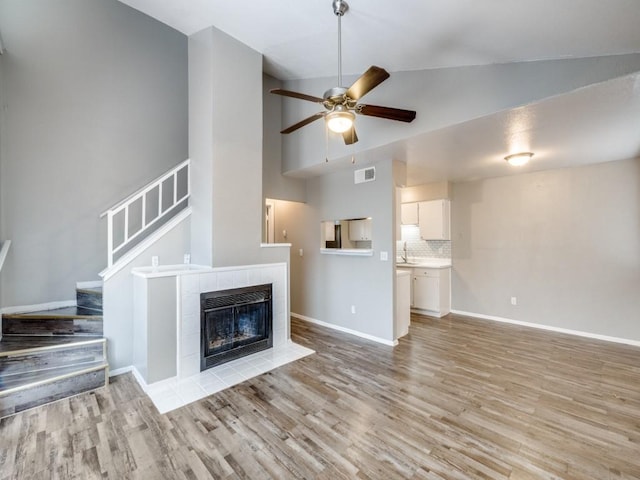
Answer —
234 323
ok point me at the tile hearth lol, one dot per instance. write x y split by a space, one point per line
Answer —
174 393
189 383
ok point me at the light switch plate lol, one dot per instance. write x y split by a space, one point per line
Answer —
384 256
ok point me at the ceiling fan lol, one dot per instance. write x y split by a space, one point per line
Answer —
340 103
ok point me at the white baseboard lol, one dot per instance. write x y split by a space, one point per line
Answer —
345 330
139 379
37 308
539 326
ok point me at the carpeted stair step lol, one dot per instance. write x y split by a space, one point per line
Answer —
61 321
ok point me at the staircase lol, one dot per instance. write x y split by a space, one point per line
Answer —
53 354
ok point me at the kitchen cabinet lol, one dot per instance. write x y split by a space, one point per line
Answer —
432 291
409 213
434 220
360 230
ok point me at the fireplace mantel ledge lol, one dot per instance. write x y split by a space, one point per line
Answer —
170 270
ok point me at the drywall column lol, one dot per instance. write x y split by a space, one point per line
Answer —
225 146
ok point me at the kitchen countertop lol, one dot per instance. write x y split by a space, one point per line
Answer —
425 263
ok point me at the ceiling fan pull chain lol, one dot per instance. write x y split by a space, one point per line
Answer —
353 145
326 144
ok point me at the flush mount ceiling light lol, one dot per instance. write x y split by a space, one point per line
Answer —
518 159
341 103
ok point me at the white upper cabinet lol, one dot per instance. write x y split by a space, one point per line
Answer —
360 230
434 220
409 213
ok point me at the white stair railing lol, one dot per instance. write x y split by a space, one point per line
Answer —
144 211
3 252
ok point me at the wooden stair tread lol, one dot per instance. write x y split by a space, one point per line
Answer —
15 383
52 354
10 344
58 313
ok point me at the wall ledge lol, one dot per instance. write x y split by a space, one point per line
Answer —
353 252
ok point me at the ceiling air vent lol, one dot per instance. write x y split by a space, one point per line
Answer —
365 175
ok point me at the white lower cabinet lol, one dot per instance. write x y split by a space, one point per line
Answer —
431 290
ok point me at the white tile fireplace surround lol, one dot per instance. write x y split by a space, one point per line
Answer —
190 384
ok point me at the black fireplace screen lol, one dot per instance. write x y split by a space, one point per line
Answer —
235 323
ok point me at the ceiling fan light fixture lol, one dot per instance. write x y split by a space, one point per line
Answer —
340 120
519 159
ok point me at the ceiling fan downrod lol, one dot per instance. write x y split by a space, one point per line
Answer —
339 8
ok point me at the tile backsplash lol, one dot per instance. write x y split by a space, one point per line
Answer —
416 247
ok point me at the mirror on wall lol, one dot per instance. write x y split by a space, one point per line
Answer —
347 234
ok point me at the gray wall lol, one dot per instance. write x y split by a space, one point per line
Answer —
96 106
325 286
292 217
274 184
441 97
565 242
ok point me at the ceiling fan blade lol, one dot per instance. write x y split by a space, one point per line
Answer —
350 136
301 96
369 80
304 122
387 112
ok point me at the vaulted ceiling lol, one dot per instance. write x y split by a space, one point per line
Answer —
298 40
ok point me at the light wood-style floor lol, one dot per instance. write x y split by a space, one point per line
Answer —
459 398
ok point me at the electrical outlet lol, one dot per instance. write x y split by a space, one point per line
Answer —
154 261
187 258
514 300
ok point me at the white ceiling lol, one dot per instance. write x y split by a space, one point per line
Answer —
298 39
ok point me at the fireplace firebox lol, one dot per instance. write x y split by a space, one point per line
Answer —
235 323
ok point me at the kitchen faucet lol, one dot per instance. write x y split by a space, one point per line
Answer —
404 249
